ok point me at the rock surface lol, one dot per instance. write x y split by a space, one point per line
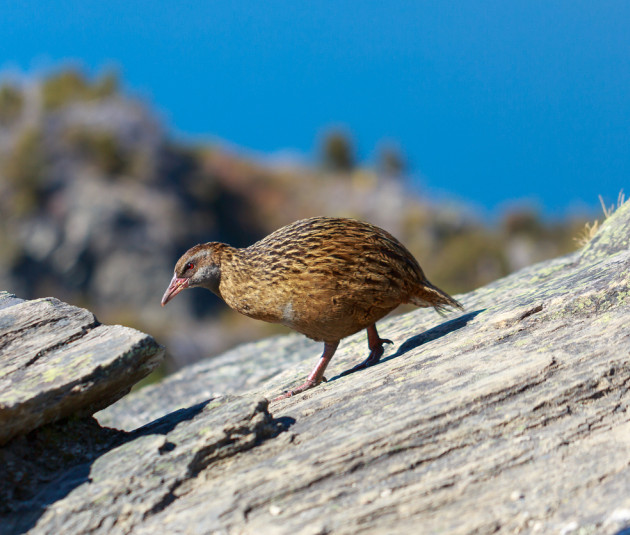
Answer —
58 361
511 417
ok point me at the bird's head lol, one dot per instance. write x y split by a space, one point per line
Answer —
199 266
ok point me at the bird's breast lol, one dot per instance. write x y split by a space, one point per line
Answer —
288 313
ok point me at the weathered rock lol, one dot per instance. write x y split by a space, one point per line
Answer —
510 418
58 361
240 370
32 462
8 300
154 463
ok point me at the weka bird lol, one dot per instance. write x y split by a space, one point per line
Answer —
325 277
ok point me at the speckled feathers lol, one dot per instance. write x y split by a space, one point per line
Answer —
325 277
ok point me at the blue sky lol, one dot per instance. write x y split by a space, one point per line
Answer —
491 101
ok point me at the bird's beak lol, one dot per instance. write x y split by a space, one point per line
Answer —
177 285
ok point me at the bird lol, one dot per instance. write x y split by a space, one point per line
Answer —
325 277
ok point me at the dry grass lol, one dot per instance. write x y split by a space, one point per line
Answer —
590 229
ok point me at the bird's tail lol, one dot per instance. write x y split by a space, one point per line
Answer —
428 295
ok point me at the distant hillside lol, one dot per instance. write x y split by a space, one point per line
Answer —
98 202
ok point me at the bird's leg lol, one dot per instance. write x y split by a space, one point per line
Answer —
317 375
375 343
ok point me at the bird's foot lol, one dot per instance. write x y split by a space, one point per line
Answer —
307 385
375 356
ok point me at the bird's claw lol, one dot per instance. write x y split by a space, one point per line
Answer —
303 387
375 356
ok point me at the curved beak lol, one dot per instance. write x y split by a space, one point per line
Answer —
176 286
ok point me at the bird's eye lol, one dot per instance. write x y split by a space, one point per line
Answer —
188 266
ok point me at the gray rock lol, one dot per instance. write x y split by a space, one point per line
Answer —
58 361
154 463
8 300
511 417
239 370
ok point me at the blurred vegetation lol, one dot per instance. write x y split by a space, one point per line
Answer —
71 85
100 148
338 152
22 169
11 103
72 228
391 161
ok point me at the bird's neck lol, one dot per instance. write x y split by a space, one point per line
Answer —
235 271
244 284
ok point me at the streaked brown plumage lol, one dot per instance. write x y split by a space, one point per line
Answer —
325 277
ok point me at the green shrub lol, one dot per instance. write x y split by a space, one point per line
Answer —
338 152
23 169
71 85
101 149
11 103
391 161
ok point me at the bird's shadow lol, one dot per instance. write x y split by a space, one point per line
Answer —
427 336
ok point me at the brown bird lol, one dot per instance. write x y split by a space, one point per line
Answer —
325 277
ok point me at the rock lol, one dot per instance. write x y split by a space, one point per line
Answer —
58 361
239 370
30 463
8 300
156 463
511 417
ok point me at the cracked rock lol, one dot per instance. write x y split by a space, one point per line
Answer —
58 361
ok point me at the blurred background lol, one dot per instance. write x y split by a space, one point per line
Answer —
478 133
